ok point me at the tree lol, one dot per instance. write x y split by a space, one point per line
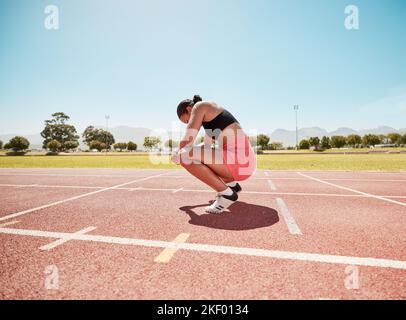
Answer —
337 141
91 134
120 146
96 144
54 146
304 144
370 140
314 142
1 144
394 138
354 140
275 146
131 146
263 141
57 129
173 144
325 143
17 144
402 139
151 142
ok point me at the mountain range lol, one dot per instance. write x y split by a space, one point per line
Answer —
287 137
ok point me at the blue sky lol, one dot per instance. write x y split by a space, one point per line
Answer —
135 60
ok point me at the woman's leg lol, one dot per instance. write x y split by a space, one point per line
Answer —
206 165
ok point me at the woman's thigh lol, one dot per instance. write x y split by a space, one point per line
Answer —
213 158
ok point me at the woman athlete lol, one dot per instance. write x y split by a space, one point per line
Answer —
220 168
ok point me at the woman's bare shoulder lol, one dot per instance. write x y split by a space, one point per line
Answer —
209 106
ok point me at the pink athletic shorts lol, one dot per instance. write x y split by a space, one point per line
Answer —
240 158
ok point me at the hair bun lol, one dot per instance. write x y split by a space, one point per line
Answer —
197 98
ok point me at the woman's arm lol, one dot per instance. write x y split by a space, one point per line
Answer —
193 127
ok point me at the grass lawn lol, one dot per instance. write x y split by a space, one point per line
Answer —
379 162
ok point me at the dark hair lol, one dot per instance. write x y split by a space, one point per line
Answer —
188 103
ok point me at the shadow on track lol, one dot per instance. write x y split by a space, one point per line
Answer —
241 216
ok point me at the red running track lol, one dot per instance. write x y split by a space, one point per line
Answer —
143 234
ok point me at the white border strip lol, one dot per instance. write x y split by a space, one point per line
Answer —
276 254
353 190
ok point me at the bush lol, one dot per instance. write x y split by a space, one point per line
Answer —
120 146
96 144
18 144
131 146
70 145
54 146
304 144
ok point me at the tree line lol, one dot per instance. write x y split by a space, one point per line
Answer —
60 136
353 141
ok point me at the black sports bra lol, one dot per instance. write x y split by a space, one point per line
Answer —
218 124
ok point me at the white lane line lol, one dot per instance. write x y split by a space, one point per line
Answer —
58 242
17 214
170 175
271 185
27 186
290 222
8 223
177 190
353 190
51 186
276 254
208 190
71 175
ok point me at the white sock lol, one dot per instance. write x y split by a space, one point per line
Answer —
232 184
227 192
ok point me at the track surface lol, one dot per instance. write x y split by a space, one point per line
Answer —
143 234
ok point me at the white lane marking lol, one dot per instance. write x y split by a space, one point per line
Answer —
8 223
72 175
276 254
58 242
51 186
271 185
208 190
177 190
17 214
171 175
289 220
353 190
27 186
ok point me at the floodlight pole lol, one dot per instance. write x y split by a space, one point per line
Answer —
107 117
296 108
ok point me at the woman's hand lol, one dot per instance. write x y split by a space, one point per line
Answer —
176 158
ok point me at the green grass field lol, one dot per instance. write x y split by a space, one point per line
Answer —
378 162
